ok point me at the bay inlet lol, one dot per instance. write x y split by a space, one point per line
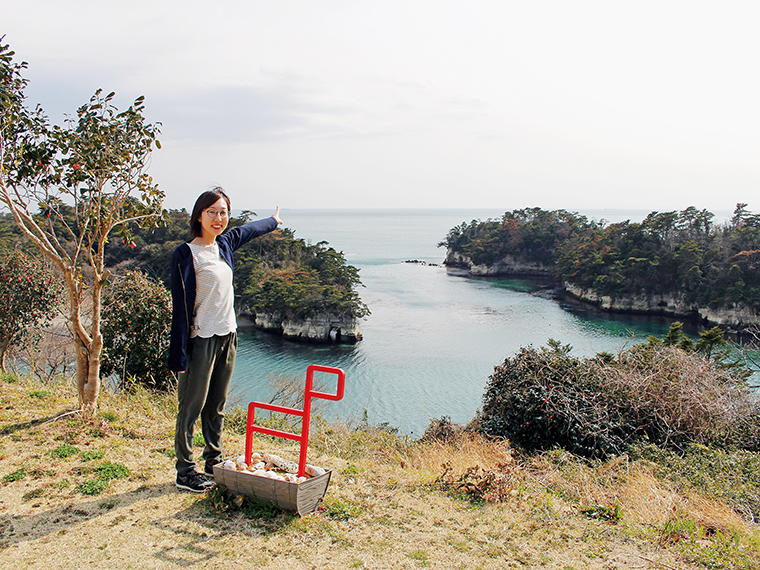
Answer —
433 338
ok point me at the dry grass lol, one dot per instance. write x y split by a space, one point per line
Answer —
383 509
696 399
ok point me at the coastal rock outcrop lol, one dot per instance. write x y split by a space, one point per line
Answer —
505 266
321 328
669 305
736 318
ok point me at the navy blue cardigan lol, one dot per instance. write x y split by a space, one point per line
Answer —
183 284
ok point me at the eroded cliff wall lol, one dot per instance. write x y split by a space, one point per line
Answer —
322 328
736 318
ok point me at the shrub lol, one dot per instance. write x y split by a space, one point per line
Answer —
442 430
30 296
136 323
542 398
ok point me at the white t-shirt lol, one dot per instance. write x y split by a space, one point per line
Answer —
214 311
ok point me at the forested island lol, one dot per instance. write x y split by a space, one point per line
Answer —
677 263
282 284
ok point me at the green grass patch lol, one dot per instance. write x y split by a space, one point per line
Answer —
221 500
39 394
722 550
420 556
108 471
104 473
341 509
64 451
8 377
91 454
350 470
93 487
605 513
15 476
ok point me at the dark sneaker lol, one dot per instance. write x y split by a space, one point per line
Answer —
208 470
193 482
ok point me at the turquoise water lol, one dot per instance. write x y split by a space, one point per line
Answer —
432 339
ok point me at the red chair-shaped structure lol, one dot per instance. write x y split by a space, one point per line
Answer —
303 438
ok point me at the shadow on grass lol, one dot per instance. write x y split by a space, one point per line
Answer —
12 428
15 529
189 541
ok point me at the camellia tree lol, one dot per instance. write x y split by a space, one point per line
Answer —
137 316
70 188
29 299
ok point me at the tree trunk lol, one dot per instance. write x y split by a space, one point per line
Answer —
88 374
88 355
5 347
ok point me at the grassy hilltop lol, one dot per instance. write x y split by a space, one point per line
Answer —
102 494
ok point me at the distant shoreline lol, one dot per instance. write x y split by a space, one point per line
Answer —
612 215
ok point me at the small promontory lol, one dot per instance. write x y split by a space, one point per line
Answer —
677 264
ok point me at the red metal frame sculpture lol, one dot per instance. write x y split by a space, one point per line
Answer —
309 393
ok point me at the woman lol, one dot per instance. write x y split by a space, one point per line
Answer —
203 336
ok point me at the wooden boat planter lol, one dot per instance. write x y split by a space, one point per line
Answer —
304 497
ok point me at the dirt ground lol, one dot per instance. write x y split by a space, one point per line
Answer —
379 511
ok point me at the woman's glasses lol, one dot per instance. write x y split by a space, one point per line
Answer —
211 213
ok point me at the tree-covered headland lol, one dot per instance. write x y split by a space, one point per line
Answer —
276 274
679 258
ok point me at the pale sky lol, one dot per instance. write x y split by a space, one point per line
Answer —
502 104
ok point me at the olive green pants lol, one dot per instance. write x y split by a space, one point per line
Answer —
202 391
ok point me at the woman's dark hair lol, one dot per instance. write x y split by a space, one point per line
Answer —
205 200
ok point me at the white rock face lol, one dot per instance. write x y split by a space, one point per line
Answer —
322 328
738 317
506 266
664 304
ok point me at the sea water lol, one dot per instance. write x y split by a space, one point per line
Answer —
433 338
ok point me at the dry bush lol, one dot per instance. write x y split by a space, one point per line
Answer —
545 398
711 514
50 359
678 397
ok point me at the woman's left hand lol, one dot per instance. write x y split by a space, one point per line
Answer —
276 216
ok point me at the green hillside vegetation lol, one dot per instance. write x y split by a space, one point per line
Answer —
682 253
276 273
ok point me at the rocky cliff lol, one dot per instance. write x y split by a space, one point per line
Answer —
322 328
506 266
735 319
